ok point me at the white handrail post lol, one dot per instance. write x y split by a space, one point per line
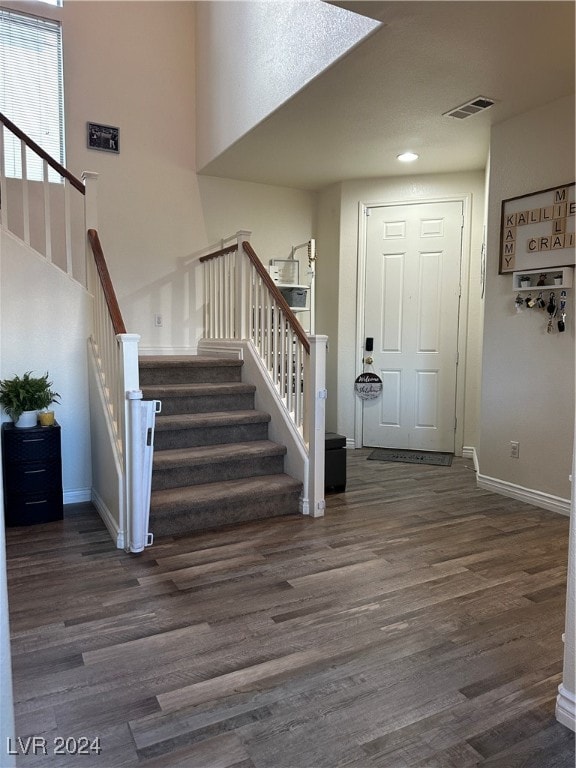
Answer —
25 193
47 209
3 186
240 321
316 416
90 179
67 227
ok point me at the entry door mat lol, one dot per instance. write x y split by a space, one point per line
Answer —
412 457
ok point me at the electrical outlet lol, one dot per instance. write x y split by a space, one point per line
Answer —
514 449
158 321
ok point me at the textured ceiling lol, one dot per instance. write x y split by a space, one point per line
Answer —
390 92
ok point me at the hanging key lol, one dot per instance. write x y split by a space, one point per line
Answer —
540 301
551 309
562 321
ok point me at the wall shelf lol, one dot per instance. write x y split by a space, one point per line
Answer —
548 275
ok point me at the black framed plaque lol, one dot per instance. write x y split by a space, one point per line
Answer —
103 137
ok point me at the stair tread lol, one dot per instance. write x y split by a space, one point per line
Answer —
174 457
197 390
211 419
175 499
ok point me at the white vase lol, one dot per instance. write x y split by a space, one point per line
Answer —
27 419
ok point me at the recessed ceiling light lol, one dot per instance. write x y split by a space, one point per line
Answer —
407 157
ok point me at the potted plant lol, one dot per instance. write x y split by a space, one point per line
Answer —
22 397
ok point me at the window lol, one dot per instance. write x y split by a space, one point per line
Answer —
31 92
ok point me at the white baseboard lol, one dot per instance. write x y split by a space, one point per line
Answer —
78 496
566 708
528 495
469 452
350 443
108 520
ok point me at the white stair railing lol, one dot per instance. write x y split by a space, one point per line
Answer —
41 213
28 211
242 302
130 419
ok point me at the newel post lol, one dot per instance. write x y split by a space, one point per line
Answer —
241 286
316 416
90 179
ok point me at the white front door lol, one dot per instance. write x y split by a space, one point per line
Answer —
413 255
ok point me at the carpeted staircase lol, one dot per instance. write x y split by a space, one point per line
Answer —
213 462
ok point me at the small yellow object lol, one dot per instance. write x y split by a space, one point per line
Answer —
46 418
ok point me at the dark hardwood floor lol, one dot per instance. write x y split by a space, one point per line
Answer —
417 625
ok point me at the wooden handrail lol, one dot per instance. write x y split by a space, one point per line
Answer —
221 252
43 154
105 280
275 291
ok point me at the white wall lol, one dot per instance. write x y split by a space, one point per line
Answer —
282 46
528 375
344 334
155 213
45 324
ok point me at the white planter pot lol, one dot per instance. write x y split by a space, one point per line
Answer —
27 419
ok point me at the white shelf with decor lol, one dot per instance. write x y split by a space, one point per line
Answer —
543 279
298 293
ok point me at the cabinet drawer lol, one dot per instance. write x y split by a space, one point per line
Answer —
33 477
30 509
33 445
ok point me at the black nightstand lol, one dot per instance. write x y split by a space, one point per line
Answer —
32 468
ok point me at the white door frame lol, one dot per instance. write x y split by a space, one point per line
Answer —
363 209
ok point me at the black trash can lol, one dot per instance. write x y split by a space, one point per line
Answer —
335 462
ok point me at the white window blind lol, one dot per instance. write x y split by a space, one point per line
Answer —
31 92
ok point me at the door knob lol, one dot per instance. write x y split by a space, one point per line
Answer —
368 360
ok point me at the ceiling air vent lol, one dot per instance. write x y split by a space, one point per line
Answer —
470 108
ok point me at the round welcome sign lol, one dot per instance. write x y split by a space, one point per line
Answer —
368 386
